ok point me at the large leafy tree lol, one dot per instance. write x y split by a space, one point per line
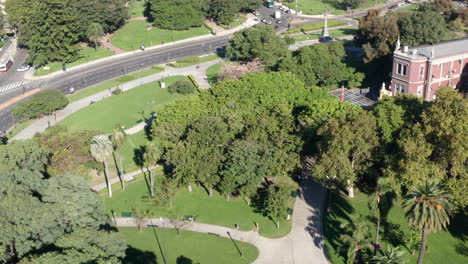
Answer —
94 32
101 150
224 11
427 27
55 32
322 65
276 202
259 41
152 155
445 125
176 14
39 214
346 148
428 209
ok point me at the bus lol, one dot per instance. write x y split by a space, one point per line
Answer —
6 63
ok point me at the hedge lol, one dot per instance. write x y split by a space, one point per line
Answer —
188 59
43 103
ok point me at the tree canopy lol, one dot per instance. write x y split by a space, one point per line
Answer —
176 14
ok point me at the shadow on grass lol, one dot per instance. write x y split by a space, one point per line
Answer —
340 213
457 228
136 256
392 233
184 260
235 244
159 244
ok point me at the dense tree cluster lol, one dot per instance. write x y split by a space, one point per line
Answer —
402 139
238 133
378 34
259 42
176 14
224 11
50 220
43 103
52 28
322 65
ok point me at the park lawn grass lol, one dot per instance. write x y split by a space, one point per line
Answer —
148 247
127 110
201 59
85 54
78 95
409 8
129 150
442 245
134 34
211 210
337 33
317 7
314 26
212 72
137 9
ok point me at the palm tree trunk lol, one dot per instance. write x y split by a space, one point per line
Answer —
106 174
121 171
376 244
152 183
190 187
211 191
422 251
350 189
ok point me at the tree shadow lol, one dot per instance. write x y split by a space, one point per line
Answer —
137 256
184 260
462 249
386 203
457 227
235 244
392 233
138 157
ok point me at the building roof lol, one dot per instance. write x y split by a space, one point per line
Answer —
443 49
356 99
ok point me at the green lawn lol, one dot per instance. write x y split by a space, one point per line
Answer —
442 246
85 54
137 9
409 8
134 33
129 150
212 210
317 7
202 59
212 72
150 245
128 109
314 26
337 33
113 83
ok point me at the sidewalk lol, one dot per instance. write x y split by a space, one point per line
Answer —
248 23
298 247
43 123
299 44
127 177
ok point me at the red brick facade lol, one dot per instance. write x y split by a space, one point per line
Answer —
422 70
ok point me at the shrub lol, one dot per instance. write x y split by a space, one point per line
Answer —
43 103
182 87
158 67
126 78
189 59
194 82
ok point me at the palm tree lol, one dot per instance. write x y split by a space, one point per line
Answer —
381 189
356 237
118 139
101 149
94 32
428 209
390 256
152 155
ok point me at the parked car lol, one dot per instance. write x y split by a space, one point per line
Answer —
24 67
401 4
269 22
279 21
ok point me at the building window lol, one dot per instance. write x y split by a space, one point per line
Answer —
402 68
421 71
400 88
420 91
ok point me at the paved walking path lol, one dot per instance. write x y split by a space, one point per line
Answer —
298 247
42 124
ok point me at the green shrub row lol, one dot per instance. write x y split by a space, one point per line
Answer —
43 103
314 26
189 59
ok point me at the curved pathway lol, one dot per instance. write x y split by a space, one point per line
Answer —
298 247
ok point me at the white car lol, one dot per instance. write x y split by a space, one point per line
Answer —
269 22
23 68
279 21
264 21
401 4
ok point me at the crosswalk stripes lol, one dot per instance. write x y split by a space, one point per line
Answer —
13 86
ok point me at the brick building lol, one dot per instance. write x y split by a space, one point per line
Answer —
421 70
